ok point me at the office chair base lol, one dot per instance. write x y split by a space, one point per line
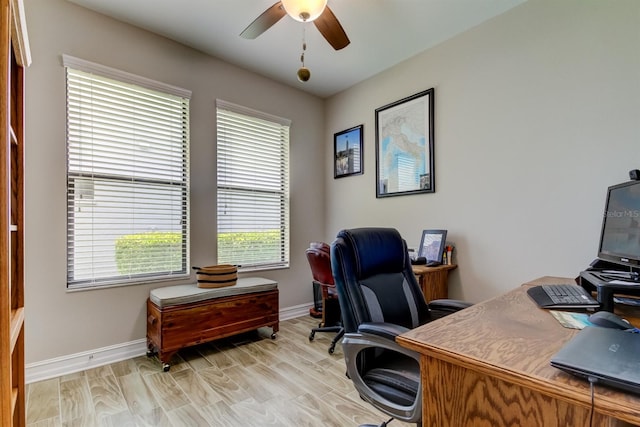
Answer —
384 424
335 340
340 332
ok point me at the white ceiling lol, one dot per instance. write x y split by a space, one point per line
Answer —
382 33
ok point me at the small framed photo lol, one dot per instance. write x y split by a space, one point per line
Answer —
347 152
432 245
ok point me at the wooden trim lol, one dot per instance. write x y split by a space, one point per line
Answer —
19 34
14 55
17 321
7 394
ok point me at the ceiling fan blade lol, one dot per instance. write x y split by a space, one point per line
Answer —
263 22
330 28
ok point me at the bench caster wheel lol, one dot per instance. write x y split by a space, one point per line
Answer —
166 367
312 335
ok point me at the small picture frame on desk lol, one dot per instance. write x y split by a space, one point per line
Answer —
432 245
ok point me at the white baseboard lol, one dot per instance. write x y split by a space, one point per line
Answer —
295 311
69 364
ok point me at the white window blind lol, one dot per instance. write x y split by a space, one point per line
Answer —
253 188
127 177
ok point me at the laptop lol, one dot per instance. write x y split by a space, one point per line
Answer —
562 296
611 356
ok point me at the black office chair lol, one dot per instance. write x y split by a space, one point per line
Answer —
379 300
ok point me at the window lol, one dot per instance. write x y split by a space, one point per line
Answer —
253 188
127 177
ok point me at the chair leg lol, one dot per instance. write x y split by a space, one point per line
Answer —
339 333
384 424
335 340
330 316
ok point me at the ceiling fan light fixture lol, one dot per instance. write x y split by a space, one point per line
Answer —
304 10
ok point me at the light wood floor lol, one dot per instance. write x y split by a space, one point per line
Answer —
247 380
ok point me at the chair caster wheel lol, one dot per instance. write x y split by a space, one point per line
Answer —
166 367
332 349
150 353
312 335
273 336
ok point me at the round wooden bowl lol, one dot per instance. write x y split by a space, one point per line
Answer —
217 276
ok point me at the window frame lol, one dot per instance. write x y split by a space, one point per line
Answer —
252 130
175 181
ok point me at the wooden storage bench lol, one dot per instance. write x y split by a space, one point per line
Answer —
185 315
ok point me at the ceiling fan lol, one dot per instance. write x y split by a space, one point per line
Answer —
303 11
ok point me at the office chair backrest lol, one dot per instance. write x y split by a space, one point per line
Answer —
319 257
374 279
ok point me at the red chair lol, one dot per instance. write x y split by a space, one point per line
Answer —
319 257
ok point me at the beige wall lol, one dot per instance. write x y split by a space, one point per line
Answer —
59 323
536 112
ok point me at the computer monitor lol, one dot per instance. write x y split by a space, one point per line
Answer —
620 235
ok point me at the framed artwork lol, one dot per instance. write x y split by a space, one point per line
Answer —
404 146
432 244
347 152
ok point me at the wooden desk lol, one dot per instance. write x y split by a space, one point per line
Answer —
488 365
434 280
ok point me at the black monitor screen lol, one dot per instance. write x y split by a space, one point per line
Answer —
620 237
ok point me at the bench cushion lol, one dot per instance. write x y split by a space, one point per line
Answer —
187 294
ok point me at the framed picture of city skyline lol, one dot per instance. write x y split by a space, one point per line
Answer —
404 146
347 152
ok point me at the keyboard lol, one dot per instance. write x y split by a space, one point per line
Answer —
562 296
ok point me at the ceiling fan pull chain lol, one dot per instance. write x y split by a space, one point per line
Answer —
304 74
304 37
304 43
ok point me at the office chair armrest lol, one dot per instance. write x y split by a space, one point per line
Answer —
381 329
443 307
355 343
